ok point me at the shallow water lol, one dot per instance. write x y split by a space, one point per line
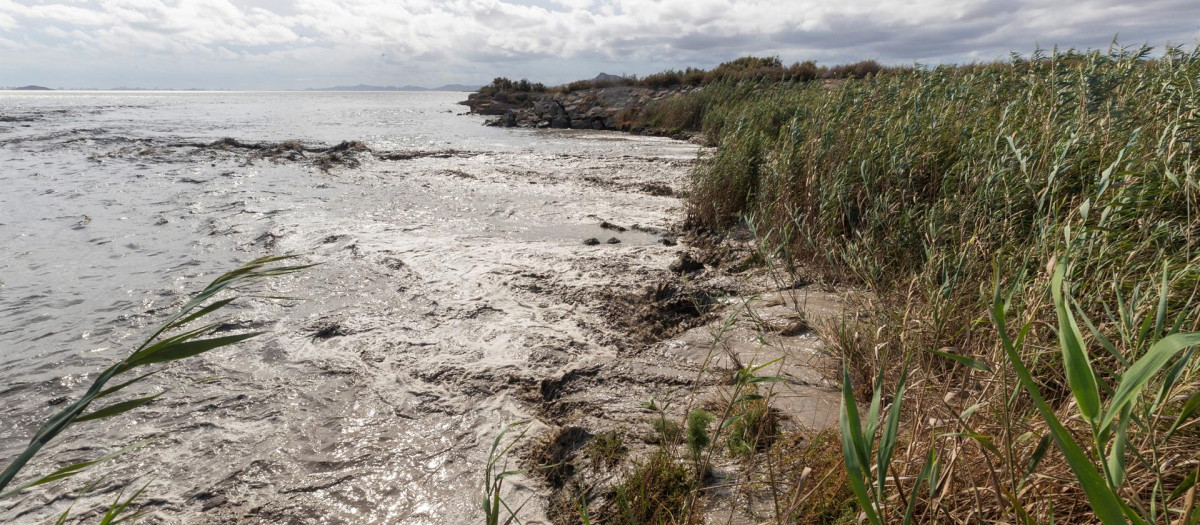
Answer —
453 288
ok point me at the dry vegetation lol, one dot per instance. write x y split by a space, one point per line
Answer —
1028 231
956 194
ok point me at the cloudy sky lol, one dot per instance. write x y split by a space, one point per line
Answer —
284 44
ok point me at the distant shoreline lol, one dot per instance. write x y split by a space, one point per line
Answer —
98 90
455 88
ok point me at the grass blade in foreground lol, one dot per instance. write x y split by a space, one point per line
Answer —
152 350
1102 499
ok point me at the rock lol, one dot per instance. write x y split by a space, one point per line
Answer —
549 109
610 226
614 240
591 242
587 109
667 241
686 264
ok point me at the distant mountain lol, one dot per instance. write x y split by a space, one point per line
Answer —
364 87
456 87
607 77
32 88
123 88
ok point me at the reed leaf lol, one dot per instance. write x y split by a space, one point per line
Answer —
891 428
118 408
1103 501
1144 369
155 349
855 451
1080 376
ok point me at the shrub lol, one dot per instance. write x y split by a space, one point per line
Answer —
697 432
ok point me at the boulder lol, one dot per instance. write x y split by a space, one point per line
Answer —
548 109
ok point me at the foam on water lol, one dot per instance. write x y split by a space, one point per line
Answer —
450 288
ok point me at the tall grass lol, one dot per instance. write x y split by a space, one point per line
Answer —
932 187
1028 230
935 173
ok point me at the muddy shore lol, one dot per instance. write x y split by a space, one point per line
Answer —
456 295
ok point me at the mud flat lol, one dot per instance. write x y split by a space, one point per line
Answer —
455 296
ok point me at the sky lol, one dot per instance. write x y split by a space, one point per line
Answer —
296 44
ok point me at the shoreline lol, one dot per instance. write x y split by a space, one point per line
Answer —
432 323
459 292
749 317
612 108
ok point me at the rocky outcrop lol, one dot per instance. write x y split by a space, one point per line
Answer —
600 108
549 113
498 104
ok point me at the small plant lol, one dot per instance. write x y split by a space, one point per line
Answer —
1109 422
752 426
494 476
1098 465
667 431
606 449
868 457
697 433
655 494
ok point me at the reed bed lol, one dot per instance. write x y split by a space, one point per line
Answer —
1029 229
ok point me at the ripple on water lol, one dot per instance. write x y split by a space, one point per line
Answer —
294 426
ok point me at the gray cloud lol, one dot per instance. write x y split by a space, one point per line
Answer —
301 43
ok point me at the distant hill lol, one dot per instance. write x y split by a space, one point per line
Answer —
607 77
364 87
456 87
32 88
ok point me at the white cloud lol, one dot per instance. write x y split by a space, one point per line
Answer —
470 40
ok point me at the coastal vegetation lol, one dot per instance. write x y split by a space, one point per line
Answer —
617 102
1026 232
752 69
994 209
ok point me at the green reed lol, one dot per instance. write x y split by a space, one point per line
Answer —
177 338
913 183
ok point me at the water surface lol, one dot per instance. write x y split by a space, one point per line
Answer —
453 285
